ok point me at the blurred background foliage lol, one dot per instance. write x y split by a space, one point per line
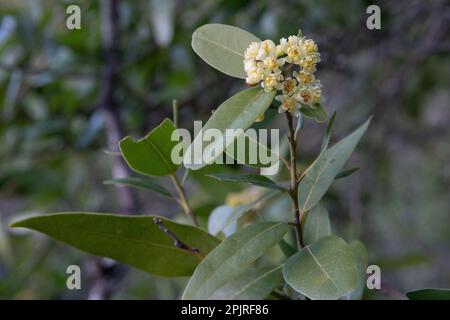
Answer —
67 96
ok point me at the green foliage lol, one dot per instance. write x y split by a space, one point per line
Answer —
254 179
253 284
316 224
223 47
323 270
321 174
136 241
238 112
151 155
318 112
319 266
232 257
360 253
429 294
140 183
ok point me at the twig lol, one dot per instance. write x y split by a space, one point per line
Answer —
182 199
177 242
293 190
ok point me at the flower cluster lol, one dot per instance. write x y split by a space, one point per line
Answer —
273 67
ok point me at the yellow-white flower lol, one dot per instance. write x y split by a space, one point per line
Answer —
266 49
309 46
303 77
304 95
272 81
264 63
272 63
288 104
252 50
255 74
289 86
309 62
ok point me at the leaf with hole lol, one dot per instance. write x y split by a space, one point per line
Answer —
132 240
231 257
151 155
223 47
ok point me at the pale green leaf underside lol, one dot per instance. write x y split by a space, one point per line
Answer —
361 256
322 173
222 47
324 270
316 224
253 284
231 257
238 112
133 240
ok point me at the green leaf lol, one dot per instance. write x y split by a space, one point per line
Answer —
136 241
140 183
321 174
151 155
316 224
325 269
327 138
286 248
233 214
251 155
429 294
223 47
231 257
361 256
254 179
238 112
346 173
317 112
254 284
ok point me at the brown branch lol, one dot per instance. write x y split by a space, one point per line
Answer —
177 242
293 190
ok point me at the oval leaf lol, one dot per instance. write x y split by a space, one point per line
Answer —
132 240
322 173
254 284
316 225
324 270
151 155
230 258
222 47
238 112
